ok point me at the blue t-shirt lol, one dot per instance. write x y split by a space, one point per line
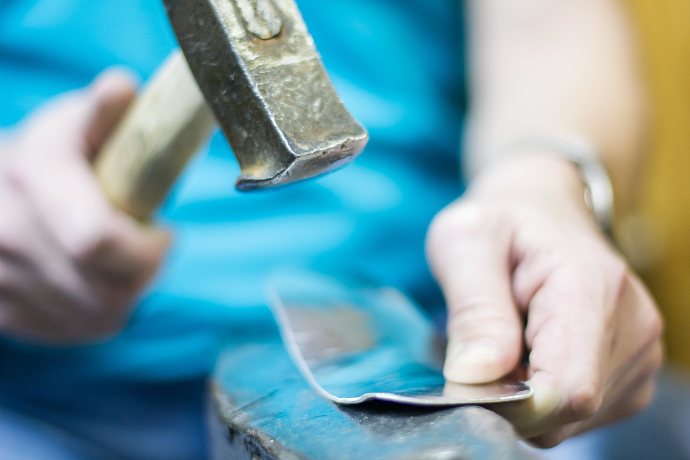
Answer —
396 64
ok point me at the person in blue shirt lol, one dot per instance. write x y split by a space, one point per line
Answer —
518 257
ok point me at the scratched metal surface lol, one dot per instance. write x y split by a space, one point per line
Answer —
261 408
356 343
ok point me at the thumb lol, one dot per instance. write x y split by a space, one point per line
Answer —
470 256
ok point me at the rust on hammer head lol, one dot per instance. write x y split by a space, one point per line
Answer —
259 70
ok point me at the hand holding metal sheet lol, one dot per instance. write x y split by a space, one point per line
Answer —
251 66
355 345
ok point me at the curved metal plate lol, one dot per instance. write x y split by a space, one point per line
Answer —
360 344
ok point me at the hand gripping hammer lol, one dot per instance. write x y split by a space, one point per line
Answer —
254 71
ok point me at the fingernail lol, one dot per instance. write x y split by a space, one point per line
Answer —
474 362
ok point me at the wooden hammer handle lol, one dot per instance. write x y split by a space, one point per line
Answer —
155 139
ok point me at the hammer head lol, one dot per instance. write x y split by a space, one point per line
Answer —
259 71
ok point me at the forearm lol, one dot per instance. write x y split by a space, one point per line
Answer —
551 69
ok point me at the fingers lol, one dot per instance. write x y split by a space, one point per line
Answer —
567 339
37 311
470 252
109 96
124 259
70 264
72 206
639 323
41 294
84 257
534 416
631 391
65 192
590 322
594 350
78 122
637 399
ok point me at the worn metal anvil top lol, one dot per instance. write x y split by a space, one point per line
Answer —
261 408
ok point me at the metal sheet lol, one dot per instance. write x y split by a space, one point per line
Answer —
357 344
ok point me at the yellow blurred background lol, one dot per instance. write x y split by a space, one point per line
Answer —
656 237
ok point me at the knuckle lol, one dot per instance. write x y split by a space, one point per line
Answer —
619 276
632 297
655 327
584 401
650 320
652 362
91 244
464 221
637 403
477 319
642 400
657 358
466 218
547 440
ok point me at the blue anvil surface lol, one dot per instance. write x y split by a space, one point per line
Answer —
261 408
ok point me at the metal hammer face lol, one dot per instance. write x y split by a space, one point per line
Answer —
259 71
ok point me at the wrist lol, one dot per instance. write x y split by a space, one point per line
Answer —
538 178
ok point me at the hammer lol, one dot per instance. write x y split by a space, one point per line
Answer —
256 72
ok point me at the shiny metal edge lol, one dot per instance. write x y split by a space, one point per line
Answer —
431 401
278 309
306 166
